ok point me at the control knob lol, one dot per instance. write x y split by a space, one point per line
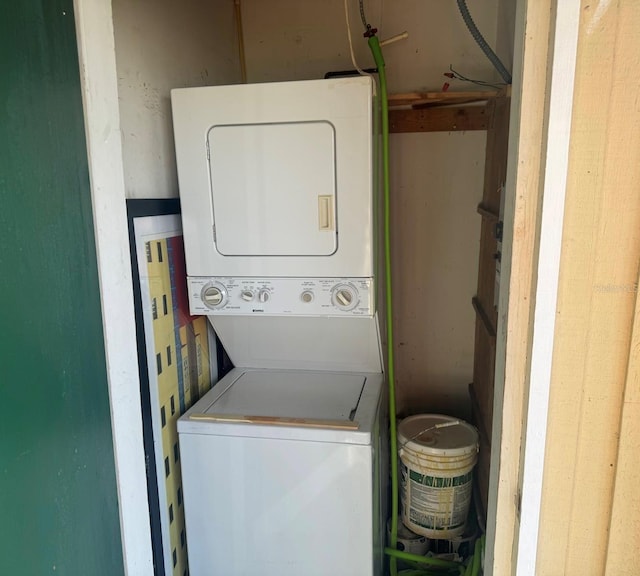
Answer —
213 296
345 297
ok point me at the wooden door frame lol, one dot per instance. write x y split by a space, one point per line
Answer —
538 146
545 56
99 80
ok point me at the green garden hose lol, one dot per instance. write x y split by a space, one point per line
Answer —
428 560
391 551
374 45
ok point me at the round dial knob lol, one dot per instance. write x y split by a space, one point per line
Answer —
306 296
247 295
345 297
213 296
264 295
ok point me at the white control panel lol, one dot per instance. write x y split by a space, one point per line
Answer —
281 296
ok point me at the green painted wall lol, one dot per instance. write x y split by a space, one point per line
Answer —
58 503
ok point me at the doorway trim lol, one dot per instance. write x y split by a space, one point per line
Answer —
546 33
536 121
99 81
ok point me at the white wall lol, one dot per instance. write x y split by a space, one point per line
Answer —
437 178
160 45
437 185
302 39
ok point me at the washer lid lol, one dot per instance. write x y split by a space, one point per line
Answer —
315 406
272 394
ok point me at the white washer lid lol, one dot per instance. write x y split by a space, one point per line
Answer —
295 405
282 394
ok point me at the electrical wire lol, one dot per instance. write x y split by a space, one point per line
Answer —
455 74
353 56
362 16
479 38
241 54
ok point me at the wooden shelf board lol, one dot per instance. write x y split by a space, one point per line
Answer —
426 99
451 119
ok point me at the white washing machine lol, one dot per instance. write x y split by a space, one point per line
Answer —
282 475
283 462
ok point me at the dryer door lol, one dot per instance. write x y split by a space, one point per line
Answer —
274 189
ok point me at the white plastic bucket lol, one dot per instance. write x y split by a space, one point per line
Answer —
409 541
437 454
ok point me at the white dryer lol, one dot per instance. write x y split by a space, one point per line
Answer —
282 462
276 179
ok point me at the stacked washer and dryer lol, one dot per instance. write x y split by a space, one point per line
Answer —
284 461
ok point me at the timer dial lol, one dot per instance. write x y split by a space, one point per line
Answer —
345 297
213 296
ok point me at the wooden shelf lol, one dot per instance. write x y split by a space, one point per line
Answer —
429 99
451 119
442 111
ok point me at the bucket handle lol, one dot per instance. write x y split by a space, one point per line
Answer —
434 427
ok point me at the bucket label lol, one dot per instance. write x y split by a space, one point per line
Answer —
438 482
435 502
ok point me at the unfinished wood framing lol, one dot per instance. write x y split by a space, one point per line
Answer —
484 303
521 212
442 111
439 119
488 214
440 98
564 45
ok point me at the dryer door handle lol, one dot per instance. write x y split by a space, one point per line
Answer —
326 213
